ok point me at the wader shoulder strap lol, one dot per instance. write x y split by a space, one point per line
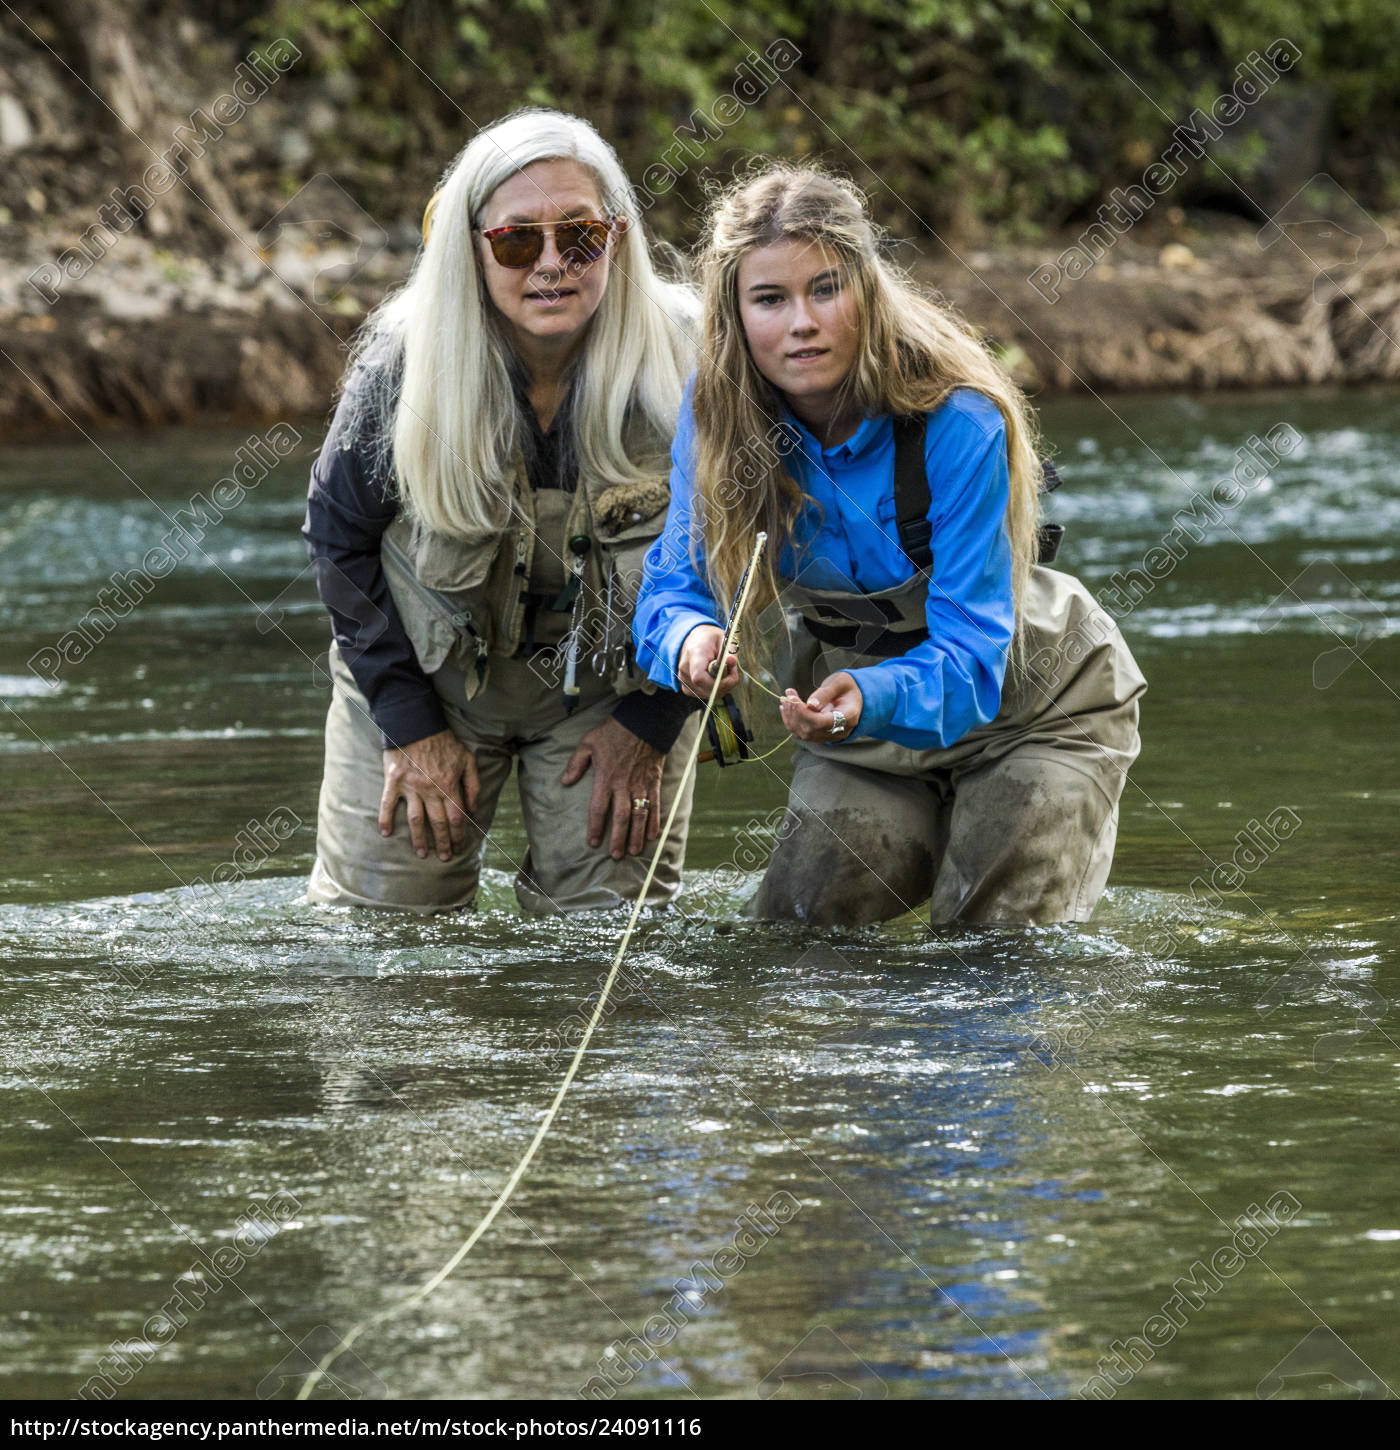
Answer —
912 495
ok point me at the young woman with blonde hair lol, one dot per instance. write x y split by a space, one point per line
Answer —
495 470
965 716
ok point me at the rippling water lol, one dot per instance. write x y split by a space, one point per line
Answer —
876 1162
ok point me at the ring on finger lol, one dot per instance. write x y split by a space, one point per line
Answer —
640 803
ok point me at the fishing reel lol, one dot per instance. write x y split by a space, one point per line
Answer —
729 736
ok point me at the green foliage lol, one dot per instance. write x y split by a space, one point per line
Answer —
960 115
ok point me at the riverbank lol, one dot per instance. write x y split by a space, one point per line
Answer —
191 232
148 336
1208 302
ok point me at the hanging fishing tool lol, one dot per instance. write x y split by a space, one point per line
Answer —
579 546
602 662
741 599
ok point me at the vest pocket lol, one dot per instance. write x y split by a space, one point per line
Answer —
628 519
443 561
627 531
434 625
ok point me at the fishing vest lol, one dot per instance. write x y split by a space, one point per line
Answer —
464 600
1074 661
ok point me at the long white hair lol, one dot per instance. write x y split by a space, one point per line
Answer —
431 366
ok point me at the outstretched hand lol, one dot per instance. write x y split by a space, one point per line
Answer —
811 719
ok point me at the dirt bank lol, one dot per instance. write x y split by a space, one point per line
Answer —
150 338
229 292
1204 304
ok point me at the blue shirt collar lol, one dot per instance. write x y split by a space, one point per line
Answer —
865 437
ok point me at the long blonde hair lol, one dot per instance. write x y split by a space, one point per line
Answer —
430 380
913 351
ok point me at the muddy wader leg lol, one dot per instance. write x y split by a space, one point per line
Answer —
863 849
355 865
1030 841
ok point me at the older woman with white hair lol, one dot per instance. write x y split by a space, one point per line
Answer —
494 473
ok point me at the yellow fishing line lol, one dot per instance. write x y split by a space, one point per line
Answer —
729 748
754 680
781 699
424 1290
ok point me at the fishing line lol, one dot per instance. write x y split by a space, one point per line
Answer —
781 699
729 751
754 680
741 599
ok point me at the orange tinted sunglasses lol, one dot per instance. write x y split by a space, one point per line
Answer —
579 243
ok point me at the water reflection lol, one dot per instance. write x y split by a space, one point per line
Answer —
388 1073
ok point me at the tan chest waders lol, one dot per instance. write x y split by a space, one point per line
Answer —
494 623
1014 822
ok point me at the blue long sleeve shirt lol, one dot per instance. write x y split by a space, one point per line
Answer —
847 539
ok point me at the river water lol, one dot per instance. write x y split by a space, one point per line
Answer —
871 1162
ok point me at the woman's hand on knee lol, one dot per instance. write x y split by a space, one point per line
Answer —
836 701
436 779
626 784
695 667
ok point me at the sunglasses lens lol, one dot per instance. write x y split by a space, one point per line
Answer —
580 243
516 247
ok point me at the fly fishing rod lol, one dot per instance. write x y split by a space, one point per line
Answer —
741 599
